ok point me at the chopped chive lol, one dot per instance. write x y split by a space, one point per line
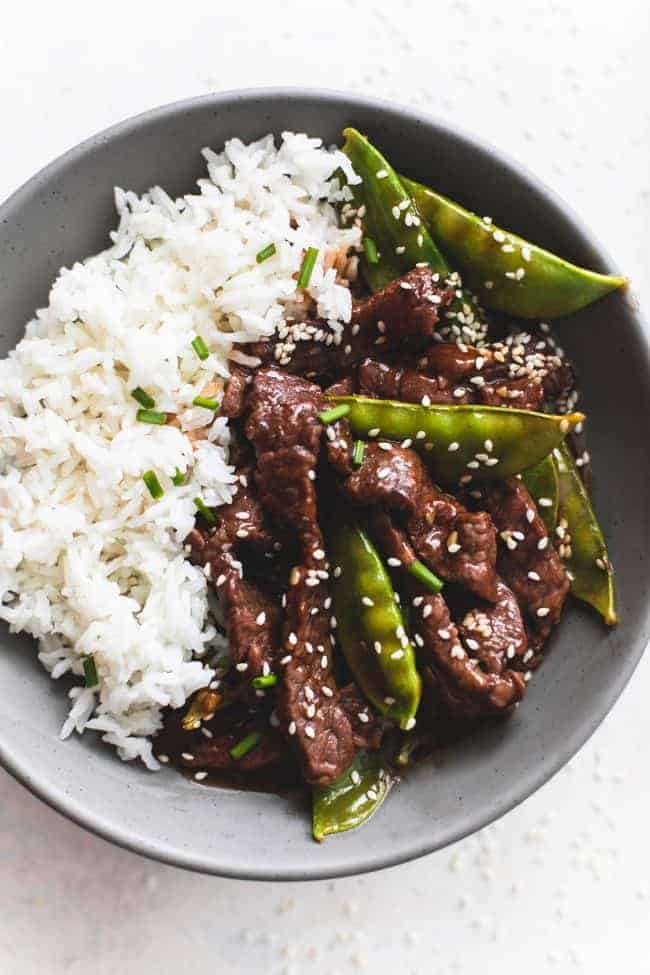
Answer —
329 416
267 680
205 511
423 575
178 477
371 250
246 745
90 672
265 253
307 267
200 348
358 452
151 416
143 398
207 402
153 484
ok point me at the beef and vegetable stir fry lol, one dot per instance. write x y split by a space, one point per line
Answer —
411 511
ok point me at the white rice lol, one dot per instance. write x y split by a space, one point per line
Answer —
89 562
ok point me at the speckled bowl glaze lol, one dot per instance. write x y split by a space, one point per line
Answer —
63 214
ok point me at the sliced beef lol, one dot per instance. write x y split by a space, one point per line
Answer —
527 560
520 394
285 481
495 633
283 412
456 544
390 538
368 726
391 476
382 380
234 397
467 689
307 700
252 618
406 310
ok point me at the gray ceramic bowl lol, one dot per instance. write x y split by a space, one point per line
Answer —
64 213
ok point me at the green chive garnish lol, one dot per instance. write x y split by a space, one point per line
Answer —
267 680
207 402
153 484
143 398
307 267
358 452
178 477
90 672
371 250
423 575
246 745
265 253
329 416
205 511
151 416
200 348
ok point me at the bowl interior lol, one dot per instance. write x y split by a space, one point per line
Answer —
64 214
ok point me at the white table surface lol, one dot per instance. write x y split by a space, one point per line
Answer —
563 882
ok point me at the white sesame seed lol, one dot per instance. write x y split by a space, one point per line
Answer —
163 758
472 644
381 173
510 652
374 432
393 562
528 656
337 572
528 675
324 661
543 611
420 435
499 236
418 600
444 634
533 576
367 601
327 691
241 533
405 444
489 446
309 731
242 667
400 249
542 543
220 580
427 611
396 212
491 461
530 515
459 392
426 400
199 776
410 724
457 652
363 717
453 446
564 426
260 619
377 646
292 728
293 639
286 659
187 756
545 502
311 475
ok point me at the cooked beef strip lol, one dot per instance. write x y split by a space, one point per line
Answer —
526 557
367 725
521 394
284 479
390 537
283 412
307 699
465 687
384 381
405 311
390 476
495 633
252 618
457 544
234 397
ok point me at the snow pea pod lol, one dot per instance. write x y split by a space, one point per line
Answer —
543 487
353 797
396 228
391 217
370 626
505 271
486 442
590 571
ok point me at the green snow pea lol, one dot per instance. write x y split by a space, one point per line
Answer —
371 627
591 574
505 271
486 442
353 797
392 222
543 487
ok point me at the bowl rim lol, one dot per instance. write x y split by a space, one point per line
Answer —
56 796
